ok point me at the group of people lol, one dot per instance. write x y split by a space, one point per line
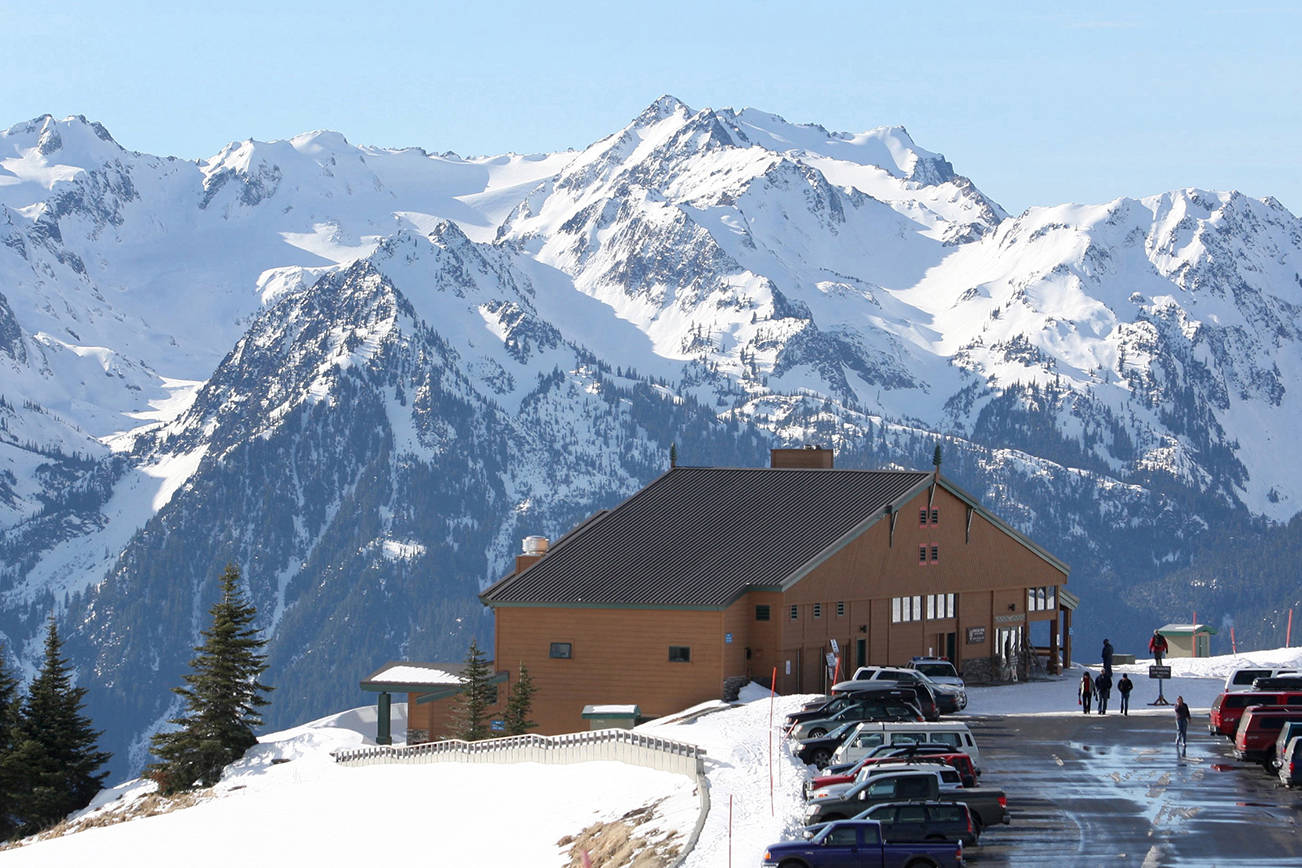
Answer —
1100 688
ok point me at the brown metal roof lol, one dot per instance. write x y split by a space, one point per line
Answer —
700 536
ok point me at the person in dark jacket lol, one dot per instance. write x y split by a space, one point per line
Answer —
1124 686
1085 692
1107 656
1103 687
1157 646
1182 716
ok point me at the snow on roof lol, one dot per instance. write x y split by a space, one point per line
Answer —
416 673
611 711
1185 628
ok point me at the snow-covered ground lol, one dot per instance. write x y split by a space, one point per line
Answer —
288 802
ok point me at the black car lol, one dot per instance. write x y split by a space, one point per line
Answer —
816 751
920 694
904 822
830 706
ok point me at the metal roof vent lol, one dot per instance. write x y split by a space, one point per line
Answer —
535 545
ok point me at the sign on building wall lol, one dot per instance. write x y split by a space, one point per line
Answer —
727 638
497 725
976 635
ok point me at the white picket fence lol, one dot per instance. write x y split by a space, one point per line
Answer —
619 745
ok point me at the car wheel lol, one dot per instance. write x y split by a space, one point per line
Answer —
817 732
821 756
936 837
792 863
921 862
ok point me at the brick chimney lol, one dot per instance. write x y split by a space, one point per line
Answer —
812 457
533 548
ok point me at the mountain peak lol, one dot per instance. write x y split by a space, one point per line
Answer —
664 107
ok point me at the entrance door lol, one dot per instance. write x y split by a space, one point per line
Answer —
861 652
951 647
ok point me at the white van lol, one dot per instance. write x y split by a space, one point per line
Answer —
1241 679
873 734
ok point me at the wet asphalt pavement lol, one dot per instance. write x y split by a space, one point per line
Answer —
1091 790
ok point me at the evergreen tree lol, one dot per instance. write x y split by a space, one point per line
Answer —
54 754
519 703
10 705
468 716
222 697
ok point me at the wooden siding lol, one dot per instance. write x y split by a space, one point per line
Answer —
620 657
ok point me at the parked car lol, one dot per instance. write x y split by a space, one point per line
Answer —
1241 679
859 843
1228 708
1286 734
1254 740
988 805
817 751
869 738
1278 682
948 777
943 673
961 766
924 821
830 705
960 762
924 698
873 707
945 704
1290 764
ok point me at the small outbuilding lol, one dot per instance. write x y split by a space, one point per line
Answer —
1188 640
431 690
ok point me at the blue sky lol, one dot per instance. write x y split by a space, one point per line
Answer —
1084 103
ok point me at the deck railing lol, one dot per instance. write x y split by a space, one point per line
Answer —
619 745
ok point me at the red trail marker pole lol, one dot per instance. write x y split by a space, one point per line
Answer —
1234 646
730 830
1288 631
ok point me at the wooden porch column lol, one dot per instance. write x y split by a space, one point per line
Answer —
1054 667
1066 638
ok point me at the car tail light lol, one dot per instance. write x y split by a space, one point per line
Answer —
958 853
1003 802
969 823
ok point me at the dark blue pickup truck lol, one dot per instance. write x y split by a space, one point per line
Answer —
859 844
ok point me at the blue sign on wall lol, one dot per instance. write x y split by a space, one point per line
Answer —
498 725
727 638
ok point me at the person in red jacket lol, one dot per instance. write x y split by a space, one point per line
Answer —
1157 647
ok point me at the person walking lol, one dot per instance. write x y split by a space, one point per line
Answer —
1157 646
1085 692
1124 686
1103 688
1181 725
1107 656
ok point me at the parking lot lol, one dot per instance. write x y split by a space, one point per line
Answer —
1091 790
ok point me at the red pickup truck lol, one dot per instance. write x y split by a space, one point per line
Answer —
1227 709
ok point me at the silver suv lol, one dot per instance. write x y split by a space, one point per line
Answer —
943 673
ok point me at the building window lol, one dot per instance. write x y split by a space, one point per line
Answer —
795 612
935 516
840 608
922 554
818 610
680 654
906 609
940 606
1041 599
561 650
935 553
761 613
928 516
922 518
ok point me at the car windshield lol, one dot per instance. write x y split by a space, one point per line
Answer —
842 728
944 670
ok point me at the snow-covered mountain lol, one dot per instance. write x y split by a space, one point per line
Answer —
363 374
